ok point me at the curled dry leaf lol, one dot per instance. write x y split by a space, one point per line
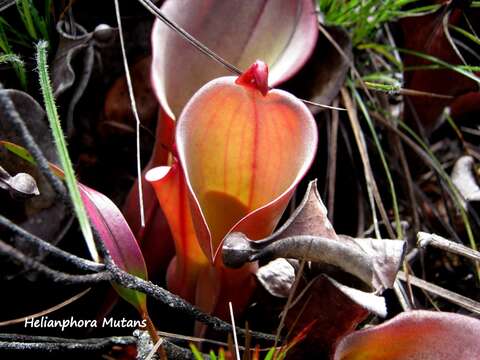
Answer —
278 277
375 262
310 218
463 177
342 254
415 335
387 256
240 32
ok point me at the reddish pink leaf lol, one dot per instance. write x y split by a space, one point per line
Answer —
115 233
282 32
415 335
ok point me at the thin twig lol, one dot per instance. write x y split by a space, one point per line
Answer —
133 104
332 162
359 139
48 344
426 239
4 4
313 103
402 296
26 237
408 179
46 311
16 342
451 296
57 276
369 178
235 339
155 348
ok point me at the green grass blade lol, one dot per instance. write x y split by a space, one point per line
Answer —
459 69
4 43
61 146
465 33
196 354
39 23
393 193
24 9
363 17
270 354
17 37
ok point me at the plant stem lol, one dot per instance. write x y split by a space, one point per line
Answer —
152 330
